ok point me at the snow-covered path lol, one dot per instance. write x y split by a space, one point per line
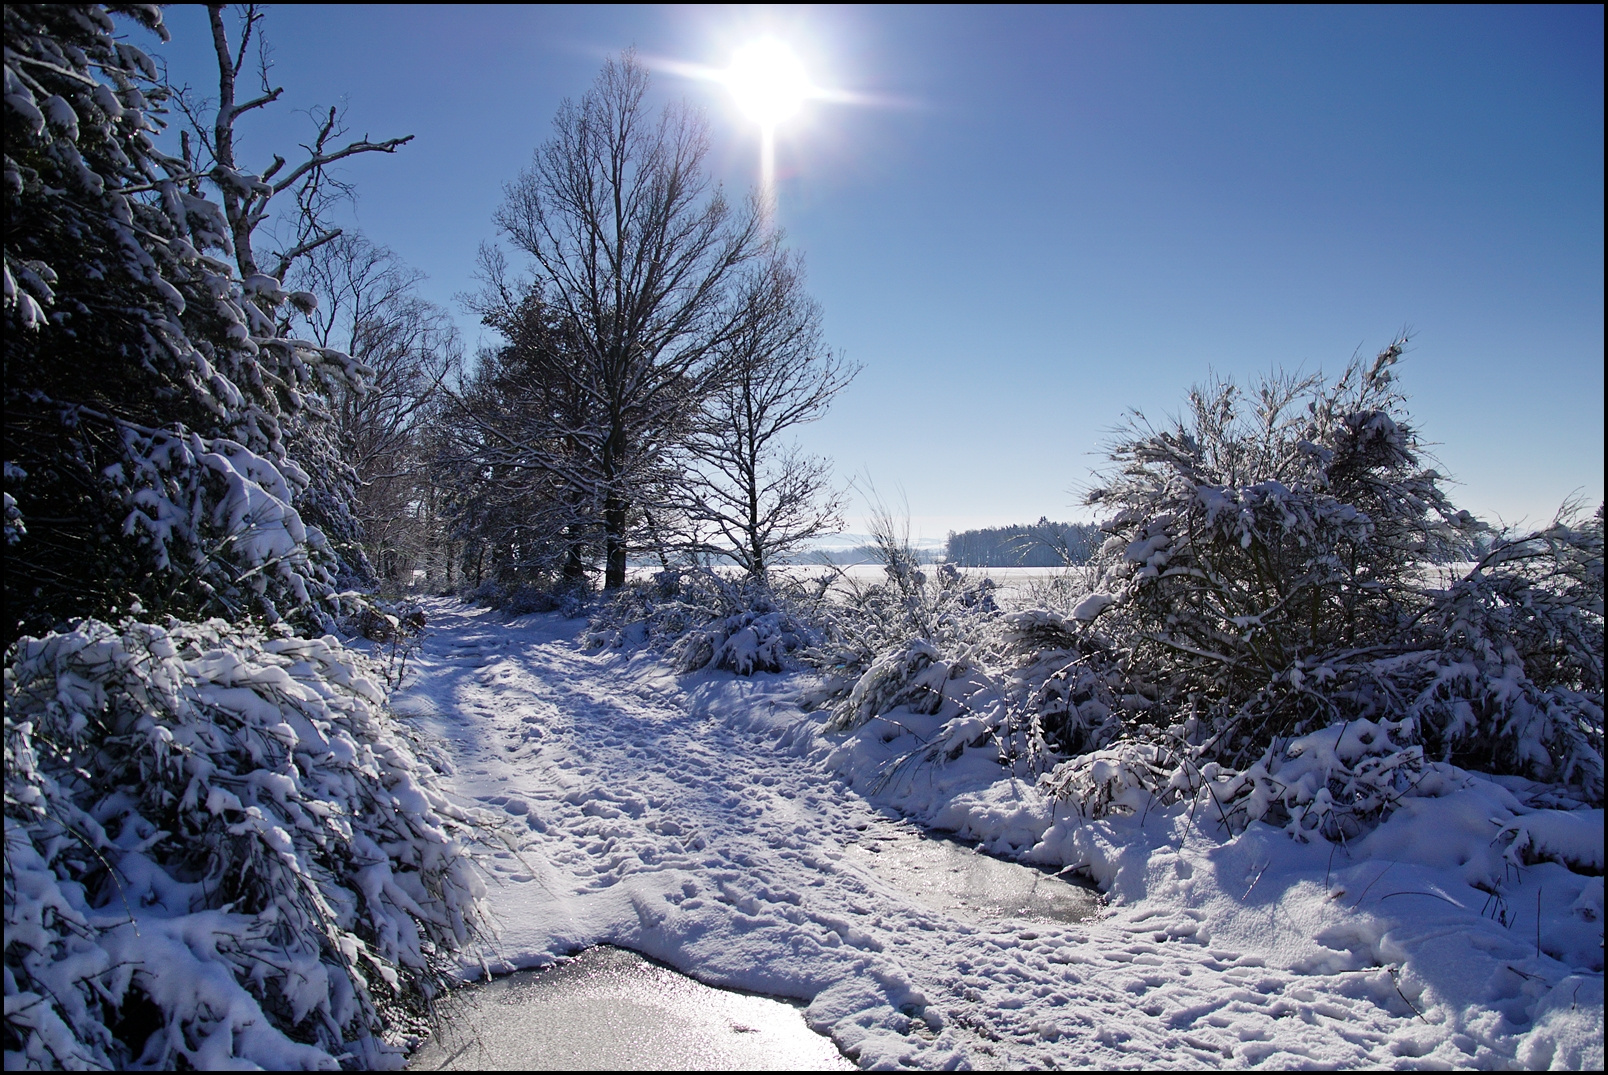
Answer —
693 819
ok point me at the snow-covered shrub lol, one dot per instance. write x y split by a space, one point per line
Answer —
1508 676
1276 561
387 621
395 629
1125 777
220 851
878 635
1336 782
912 677
1266 630
1269 630
522 599
528 599
1252 538
703 620
1066 678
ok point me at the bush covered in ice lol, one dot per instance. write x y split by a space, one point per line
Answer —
1277 628
220 851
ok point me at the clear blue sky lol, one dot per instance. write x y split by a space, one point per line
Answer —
1058 214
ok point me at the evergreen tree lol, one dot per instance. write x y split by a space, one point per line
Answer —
154 409
149 393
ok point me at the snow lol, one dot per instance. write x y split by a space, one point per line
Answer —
256 768
1091 607
706 821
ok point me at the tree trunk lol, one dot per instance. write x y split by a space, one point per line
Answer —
614 514
574 565
615 506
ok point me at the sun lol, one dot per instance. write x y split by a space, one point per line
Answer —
768 82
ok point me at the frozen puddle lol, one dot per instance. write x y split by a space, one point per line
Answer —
611 1009
951 877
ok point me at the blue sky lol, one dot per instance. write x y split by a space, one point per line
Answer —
1057 214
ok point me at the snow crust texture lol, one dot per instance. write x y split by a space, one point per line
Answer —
706 821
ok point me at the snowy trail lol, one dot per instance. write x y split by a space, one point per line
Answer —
693 820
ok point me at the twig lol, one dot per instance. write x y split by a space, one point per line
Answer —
1257 878
1396 981
1371 884
1415 892
1538 921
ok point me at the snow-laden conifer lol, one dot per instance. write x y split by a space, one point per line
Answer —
149 393
220 850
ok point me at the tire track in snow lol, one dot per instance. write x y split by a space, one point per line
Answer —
706 839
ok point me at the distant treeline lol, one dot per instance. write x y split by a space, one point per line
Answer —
1041 544
859 554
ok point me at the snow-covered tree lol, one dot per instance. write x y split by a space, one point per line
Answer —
522 456
149 393
369 308
295 202
1041 544
640 258
248 197
220 850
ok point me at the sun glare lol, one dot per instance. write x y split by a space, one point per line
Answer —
768 82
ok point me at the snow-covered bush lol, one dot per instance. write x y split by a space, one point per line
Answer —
1066 678
1252 538
881 637
701 619
220 851
1508 676
1268 587
1033 686
1337 782
1277 629
1126 777
912 676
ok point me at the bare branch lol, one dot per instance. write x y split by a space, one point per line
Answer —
266 99
289 257
365 146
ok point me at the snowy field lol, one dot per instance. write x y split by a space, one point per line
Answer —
1013 583
705 821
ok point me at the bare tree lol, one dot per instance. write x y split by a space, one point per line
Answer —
639 256
367 307
246 196
751 492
